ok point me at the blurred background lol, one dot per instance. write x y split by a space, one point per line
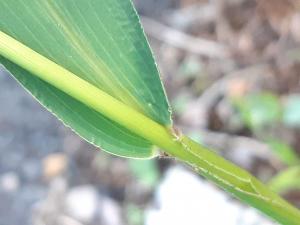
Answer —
231 69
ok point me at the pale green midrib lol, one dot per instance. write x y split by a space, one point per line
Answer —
222 171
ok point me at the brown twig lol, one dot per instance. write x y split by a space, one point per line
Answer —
184 41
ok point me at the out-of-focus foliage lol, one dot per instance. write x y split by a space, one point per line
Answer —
291 115
145 171
179 104
288 179
284 152
134 215
259 110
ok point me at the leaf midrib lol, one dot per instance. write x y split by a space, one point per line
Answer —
89 57
81 90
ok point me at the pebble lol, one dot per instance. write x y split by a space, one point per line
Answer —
185 198
31 169
82 203
65 220
9 182
54 165
110 212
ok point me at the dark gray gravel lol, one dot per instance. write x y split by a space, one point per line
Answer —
27 134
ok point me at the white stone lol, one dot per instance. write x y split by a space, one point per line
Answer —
9 182
110 212
82 203
185 198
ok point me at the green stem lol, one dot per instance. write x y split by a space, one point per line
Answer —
228 176
236 181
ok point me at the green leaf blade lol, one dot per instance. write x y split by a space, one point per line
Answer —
86 122
103 43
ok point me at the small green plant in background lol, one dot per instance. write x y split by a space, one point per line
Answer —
89 63
261 111
286 180
145 171
291 116
284 152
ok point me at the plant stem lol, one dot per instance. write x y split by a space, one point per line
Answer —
228 176
235 180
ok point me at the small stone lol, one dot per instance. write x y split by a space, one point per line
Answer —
65 220
184 198
31 169
9 182
110 212
82 203
54 165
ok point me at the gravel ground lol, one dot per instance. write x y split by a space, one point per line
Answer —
40 166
